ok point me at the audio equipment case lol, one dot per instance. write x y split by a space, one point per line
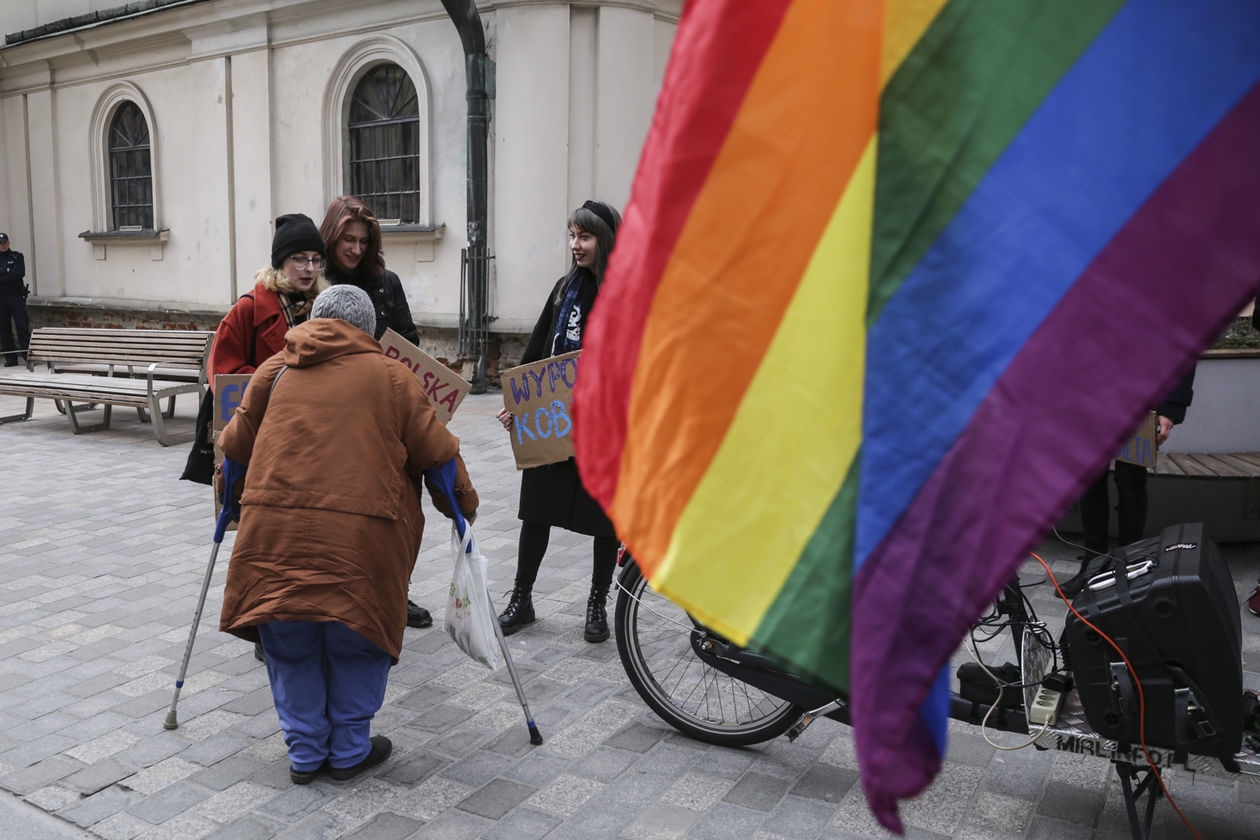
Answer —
1169 603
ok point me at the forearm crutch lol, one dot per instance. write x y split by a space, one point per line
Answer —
230 512
444 478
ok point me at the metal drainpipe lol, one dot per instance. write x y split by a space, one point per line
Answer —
463 14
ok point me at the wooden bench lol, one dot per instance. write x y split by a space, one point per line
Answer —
136 368
1209 465
1221 489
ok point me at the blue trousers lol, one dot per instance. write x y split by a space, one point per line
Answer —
328 682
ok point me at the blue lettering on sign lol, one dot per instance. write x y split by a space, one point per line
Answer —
229 400
520 422
532 380
548 421
1136 450
564 372
517 393
537 376
559 416
542 414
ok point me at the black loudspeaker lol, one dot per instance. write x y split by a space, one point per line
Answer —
1169 603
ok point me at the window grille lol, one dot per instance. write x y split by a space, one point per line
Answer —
130 169
384 150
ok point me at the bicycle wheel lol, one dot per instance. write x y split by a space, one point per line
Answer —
654 642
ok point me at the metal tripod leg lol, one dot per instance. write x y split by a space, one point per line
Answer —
1141 830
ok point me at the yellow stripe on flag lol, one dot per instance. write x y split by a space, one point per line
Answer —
792 440
747 241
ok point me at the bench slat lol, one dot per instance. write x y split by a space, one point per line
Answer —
1250 459
1210 465
1168 464
1224 466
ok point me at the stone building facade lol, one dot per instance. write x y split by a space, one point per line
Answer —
145 148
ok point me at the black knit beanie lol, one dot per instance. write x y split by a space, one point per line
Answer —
294 232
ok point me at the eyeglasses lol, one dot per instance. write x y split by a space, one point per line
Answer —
300 261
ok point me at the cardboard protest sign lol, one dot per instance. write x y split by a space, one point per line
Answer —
1140 448
229 390
539 395
445 388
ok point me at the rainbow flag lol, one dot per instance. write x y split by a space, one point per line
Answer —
895 280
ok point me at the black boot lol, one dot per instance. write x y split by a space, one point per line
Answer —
519 612
596 616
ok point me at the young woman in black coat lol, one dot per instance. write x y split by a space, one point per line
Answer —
553 495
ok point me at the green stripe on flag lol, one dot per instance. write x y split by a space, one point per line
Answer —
810 618
953 106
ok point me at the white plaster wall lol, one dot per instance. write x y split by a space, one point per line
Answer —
47 276
627 94
15 218
252 131
1224 415
531 160
189 147
583 105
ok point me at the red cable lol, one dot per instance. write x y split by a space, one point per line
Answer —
1141 697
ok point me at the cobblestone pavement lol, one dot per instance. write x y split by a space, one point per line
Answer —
102 553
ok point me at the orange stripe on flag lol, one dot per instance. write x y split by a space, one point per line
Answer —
739 258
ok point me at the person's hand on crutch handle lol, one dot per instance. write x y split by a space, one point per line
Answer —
228 474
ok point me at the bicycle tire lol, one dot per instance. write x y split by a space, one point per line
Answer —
654 643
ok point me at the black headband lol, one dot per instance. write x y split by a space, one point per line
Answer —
601 210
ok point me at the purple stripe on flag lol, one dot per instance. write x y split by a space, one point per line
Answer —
1181 268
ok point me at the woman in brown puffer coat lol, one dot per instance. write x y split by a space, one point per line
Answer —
335 438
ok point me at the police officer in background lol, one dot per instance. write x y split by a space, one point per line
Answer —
13 292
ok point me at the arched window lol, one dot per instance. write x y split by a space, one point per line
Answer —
130 169
383 156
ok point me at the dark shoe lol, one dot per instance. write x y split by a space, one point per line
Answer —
596 615
1091 564
418 616
1253 603
519 612
258 652
10 362
304 777
381 748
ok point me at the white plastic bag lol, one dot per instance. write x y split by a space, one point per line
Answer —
469 612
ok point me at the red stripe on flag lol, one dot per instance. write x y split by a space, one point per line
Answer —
717 51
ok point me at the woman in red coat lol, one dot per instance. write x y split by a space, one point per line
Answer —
253 330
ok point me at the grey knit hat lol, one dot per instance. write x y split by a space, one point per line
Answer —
349 303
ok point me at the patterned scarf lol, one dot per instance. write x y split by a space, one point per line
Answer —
567 332
295 306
